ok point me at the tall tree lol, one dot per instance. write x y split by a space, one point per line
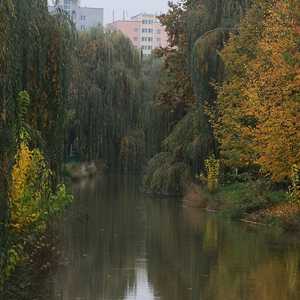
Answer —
265 114
110 95
35 49
231 118
197 31
175 82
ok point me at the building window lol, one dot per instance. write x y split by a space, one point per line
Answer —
67 5
135 30
150 30
144 21
135 46
144 39
144 47
150 22
158 40
73 17
135 39
158 31
144 29
150 39
73 12
82 26
149 47
82 17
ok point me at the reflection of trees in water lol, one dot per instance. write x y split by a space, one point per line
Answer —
253 264
201 257
103 265
188 253
176 260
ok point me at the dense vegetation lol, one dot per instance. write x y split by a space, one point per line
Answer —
36 50
110 90
244 82
112 116
223 97
196 33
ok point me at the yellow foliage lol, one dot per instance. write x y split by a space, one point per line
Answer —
259 108
32 201
212 166
24 203
293 194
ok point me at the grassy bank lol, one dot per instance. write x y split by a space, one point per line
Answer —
255 201
75 171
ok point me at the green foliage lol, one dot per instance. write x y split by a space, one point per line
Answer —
38 258
32 201
166 176
35 55
197 32
249 197
293 194
107 101
212 166
231 211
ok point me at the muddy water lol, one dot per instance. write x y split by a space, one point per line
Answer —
122 245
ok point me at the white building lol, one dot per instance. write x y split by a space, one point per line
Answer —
83 17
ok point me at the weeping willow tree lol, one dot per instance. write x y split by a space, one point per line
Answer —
159 120
6 130
108 119
35 50
192 63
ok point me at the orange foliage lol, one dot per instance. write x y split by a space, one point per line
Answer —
260 111
273 90
175 84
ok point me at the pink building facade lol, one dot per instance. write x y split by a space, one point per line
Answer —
145 32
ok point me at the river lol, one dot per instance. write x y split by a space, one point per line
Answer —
123 245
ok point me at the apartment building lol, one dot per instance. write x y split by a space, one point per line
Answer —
83 17
144 30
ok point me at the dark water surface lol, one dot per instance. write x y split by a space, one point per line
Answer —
121 244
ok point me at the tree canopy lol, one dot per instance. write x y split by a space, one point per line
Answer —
258 103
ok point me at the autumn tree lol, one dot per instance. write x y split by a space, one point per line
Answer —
259 107
231 118
175 82
197 31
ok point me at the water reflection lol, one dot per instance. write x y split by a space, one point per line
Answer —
122 245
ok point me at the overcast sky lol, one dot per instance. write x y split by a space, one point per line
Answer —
131 7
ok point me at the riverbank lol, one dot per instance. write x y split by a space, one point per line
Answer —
38 259
39 253
75 171
255 202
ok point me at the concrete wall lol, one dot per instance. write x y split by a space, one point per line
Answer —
89 17
83 17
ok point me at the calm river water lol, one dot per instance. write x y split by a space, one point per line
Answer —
122 245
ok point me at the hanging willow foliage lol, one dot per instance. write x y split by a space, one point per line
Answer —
107 101
6 130
204 29
35 50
